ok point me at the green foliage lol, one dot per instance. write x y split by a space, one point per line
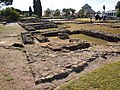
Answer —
118 8
72 10
80 13
37 7
48 12
10 14
83 14
104 78
30 11
34 6
118 14
68 12
104 7
57 12
19 11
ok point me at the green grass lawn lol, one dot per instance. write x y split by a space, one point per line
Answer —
89 39
85 20
95 27
1 28
95 21
11 28
104 78
88 20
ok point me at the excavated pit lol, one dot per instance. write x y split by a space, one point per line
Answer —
59 61
48 68
54 68
30 25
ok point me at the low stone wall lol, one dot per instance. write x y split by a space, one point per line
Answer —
45 26
36 26
55 33
73 44
41 39
107 25
27 38
63 36
102 35
33 20
89 32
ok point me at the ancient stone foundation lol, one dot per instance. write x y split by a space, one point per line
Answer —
27 38
29 26
73 44
63 35
41 39
102 35
89 32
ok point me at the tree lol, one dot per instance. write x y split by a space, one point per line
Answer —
30 11
34 6
5 2
48 12
66 12
72 11
118 14
57 12
118 8
69 12
80 13
10 14
37 7
104 7
18 10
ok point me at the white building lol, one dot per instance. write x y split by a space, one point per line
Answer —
111 14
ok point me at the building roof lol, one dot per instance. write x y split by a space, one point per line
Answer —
86 6
111 11
87 9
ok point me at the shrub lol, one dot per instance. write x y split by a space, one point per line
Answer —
118 14
10 14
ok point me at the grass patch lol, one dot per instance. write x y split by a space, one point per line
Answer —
104 78
1 28
37 89
95 27
10 28
86 20
8 77
95 21
2 88
89 39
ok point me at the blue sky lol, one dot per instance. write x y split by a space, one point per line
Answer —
60 4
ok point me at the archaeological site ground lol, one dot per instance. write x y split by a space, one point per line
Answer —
42 55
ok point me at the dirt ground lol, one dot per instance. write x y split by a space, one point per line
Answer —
34 67
14 71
